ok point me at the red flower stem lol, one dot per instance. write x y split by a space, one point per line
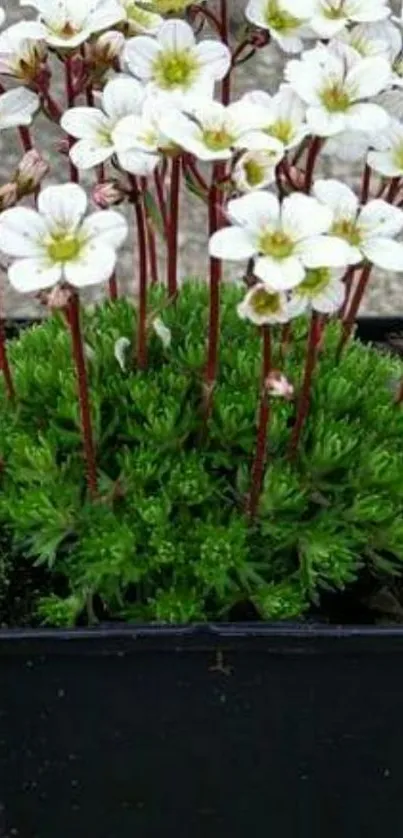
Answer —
286 334
70 96
259 462
151 240
113 287
365 184
173 225
26 139
212 18
348 324
190 165
314 338
5 365
73 319
226 82
215 207
393 190
140 218
312 156
160 193
348 283
399 397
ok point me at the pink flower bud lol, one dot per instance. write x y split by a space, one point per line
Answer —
57 298
8 195
278 385
30 172
108 194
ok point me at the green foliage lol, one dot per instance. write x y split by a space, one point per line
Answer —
168 539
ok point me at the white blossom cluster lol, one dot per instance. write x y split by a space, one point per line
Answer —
301 235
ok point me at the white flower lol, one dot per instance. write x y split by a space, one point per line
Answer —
17 107
257 169
335 83
21 50
368 231
349 146
137 138
387 159
2 15
263 305
174 63
285 114
286 238
139 19
332 16
372 39
322 290
213 130
94 127
57 244
285 19
68 23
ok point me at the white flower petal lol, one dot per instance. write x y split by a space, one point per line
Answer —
176 35
122 96
324 252
384 253
331 298
106 227
85 154
279 274
84 123
95 264
140 54
366 116
379 218
21 232
63 206
304 216
368 77
232 244
324 123
255 211
138 162
17 107
337 196
28 275
214 57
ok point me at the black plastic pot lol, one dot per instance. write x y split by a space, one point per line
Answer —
203 732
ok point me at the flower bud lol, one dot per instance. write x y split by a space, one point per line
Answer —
108 48
30 172
8 195
57 298
277 384
108 194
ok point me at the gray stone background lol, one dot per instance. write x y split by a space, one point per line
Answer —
385 294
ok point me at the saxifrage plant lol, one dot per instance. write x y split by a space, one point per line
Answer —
231 469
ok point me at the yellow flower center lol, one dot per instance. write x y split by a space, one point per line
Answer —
347 229
334 12
335 98
63 247
166 6
217 139
276 244
314 283
175 69
282 130
265 303
66 31
398 156
104 136
278 19
254 172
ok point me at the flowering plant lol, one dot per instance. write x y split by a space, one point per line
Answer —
242 450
